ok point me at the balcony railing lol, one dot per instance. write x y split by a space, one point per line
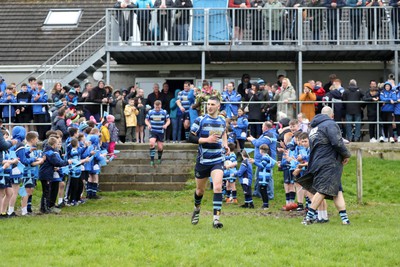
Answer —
304 26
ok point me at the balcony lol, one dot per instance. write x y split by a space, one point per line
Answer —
252 35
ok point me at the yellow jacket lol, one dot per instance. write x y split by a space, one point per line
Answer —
105 134
130 116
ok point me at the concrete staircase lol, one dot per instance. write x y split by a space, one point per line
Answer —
131 169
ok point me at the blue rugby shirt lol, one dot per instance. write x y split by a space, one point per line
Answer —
183 96
157 120
203 127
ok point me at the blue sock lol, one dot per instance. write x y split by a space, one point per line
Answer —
311 214
217 205
287 198
308 202
234 194
292 196
152 153
160 154
228 193
344 217
29 207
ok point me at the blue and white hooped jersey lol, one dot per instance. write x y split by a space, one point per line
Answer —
183 96
203 127
157 120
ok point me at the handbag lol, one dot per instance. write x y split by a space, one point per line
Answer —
246 109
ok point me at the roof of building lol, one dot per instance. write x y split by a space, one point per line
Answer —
24 40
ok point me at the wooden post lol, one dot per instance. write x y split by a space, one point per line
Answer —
359 176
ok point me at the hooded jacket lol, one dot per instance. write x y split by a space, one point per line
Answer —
327 152
39 109
59 123
386 96
53 159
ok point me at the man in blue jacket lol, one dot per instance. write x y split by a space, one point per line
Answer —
328 155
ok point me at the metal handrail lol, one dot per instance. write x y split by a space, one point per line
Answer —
67 52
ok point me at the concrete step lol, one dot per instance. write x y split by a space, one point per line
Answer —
146 161
138 169
111 186
167 146
145 177
144 154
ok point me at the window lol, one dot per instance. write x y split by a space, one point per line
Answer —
63 18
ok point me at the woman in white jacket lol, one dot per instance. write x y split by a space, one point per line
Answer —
286 94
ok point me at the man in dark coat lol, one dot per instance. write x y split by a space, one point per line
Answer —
328 154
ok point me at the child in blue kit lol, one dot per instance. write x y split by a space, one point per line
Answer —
9 112
288 180
229 171
240 127
76 184
18 134
264 175
30 174
5 182
93 166
245 174
46 175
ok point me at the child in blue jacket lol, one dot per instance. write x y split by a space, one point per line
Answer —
47 174
245 174
389 97
93 166
9 111
264 175
240 128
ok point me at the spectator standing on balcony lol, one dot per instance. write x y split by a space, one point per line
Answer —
125 19
332 15
272 15
316 19
356 16
182 19
239 17
293 17
40 114
285 94
308 109
253 109
395 19
353 110
164 18
257 21
57 92
97 95
244 85
143 19
374 18
372 97
389 97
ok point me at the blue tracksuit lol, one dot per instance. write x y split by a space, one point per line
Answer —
6 109
386 96
241 127
245 173
231 109
39 109
53 159
265 166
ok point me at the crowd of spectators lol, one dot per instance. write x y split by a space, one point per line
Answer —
260 101
273 17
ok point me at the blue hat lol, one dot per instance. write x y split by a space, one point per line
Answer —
82 126
72 91
58 104
261 82
19 132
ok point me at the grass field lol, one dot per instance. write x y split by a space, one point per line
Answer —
153 228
